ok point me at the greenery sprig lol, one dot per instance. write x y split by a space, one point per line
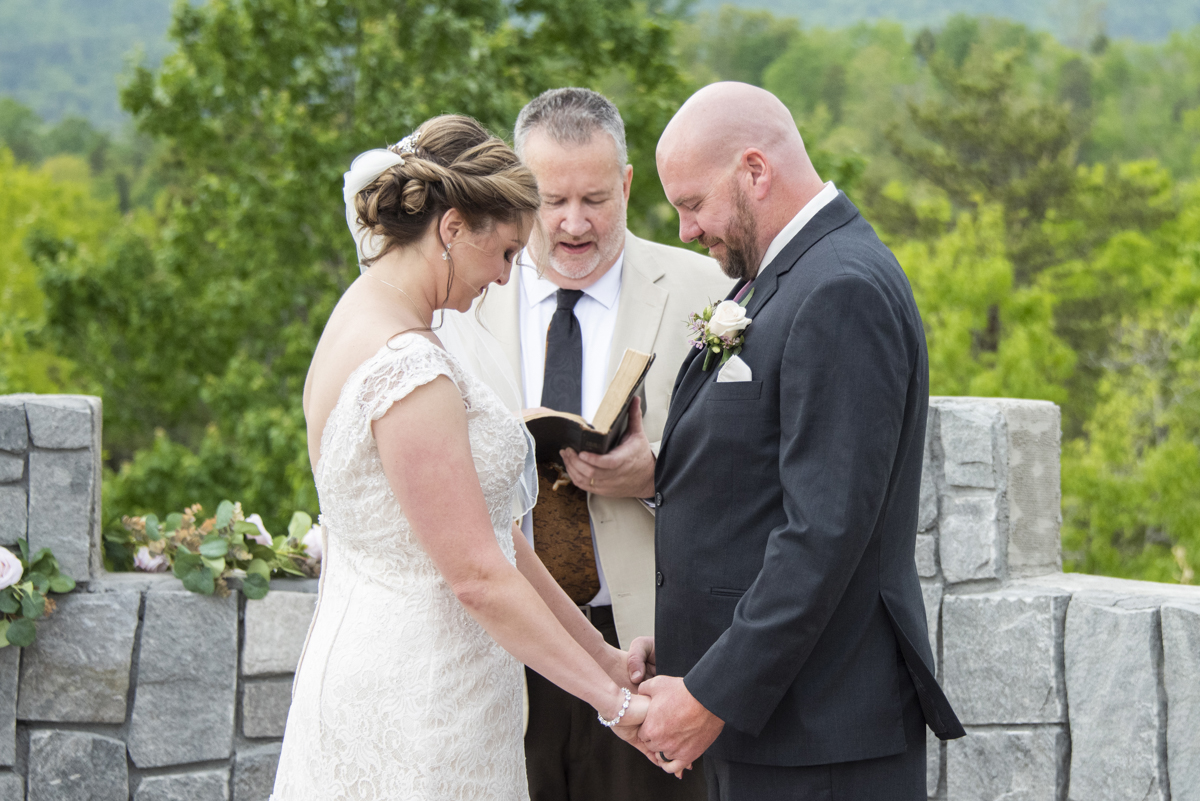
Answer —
25 600
203 554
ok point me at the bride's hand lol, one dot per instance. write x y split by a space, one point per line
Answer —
627 730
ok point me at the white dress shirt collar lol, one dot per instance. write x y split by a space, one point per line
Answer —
819 201
605 291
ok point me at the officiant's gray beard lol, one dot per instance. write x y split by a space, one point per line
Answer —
607 250
741 257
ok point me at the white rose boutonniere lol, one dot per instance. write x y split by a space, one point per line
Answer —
720 330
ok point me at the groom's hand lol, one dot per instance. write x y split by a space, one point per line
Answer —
640 663
627 471
677 725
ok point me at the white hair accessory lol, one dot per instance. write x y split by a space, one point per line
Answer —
409 143
364 171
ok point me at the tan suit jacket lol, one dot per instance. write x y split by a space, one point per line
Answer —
660 287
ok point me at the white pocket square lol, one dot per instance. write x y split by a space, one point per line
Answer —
734 370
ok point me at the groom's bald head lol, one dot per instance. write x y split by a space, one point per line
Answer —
734 165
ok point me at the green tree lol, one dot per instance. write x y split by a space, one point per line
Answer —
202 324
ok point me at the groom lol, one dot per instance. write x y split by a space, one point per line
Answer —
787 486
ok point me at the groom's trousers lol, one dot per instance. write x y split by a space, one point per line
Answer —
569 756
900 777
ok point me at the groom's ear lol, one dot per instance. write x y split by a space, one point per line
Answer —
758 173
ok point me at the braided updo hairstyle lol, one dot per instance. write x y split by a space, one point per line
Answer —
456 164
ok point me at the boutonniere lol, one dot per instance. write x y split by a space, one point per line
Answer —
720 330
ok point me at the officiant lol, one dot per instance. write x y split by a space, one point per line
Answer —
582 292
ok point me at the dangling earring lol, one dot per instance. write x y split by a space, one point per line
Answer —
446 252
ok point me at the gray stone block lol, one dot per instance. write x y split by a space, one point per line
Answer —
14 430
967 434
265 707
1118 720
14 514
76 766
78 669
926 555
927 509
1181 676
61 494
254 773
208 785
933 763
12 467
1026 764
183 710
12 787
1003 655
10 661
931 594
969 545
59 422
1034 487
275 630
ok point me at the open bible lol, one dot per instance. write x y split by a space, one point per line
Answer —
553 430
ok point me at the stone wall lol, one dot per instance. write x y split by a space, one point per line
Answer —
1070 687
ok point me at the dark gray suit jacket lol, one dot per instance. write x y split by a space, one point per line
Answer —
788 597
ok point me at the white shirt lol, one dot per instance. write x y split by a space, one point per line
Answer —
819 201
597 315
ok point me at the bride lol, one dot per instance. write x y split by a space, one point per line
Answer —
409 686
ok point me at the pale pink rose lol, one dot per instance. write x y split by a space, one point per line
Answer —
728 317
312 543
263 537
150 563
10 568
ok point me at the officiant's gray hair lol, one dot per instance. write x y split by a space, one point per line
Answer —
571 116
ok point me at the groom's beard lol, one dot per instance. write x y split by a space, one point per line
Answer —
741 257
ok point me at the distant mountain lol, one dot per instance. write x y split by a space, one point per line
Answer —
1071 20
63 57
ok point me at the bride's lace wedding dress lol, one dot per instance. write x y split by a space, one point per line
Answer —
400 694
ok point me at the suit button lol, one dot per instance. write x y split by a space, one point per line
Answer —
658 499
658 579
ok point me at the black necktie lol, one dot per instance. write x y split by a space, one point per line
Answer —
562 384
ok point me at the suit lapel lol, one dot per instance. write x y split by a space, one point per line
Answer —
836 213
642 302
691 378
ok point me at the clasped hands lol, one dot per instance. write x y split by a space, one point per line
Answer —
664 721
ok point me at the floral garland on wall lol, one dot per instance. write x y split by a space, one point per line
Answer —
204 553
25 585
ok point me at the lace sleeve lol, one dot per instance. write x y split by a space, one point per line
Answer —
410 361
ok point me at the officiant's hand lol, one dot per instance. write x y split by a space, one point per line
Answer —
627 471
677 727
640 663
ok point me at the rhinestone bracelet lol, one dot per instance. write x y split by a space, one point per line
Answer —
621 714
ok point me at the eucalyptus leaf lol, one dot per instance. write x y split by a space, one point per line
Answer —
21 632
214 546
4 624
62 583
9 604
152 531
33 605
300 525
40 581
24 546
200 580
258 567
173 522
185 561
217 566
254 586
224 514
244 528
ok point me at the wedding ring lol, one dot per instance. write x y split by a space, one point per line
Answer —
592 482
663 757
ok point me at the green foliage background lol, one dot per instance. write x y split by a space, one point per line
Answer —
1043 198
